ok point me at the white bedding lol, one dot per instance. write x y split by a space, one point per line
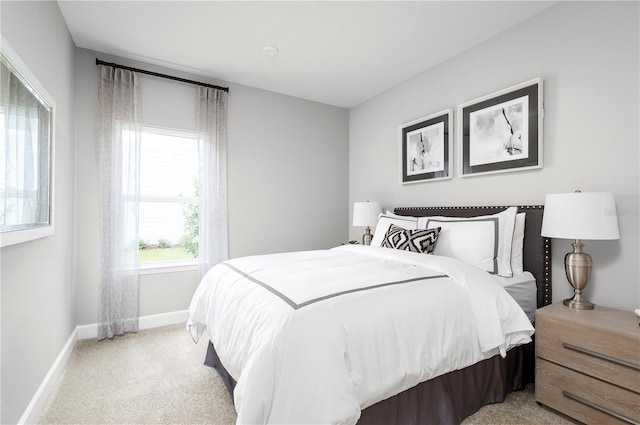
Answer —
316 336
522 287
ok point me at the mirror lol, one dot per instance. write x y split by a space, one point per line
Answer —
26 153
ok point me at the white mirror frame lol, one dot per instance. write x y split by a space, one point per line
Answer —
24 235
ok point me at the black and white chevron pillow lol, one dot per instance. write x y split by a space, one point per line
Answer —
423 240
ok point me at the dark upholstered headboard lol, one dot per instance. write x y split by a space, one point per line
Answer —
537 249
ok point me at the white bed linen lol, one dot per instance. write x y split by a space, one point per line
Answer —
302 355
522 287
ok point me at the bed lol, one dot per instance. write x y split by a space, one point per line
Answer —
361 349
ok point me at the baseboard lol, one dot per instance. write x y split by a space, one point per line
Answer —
87 331
145 322
163 319
52 378
49 382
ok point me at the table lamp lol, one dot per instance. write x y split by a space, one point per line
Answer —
578 216
366 214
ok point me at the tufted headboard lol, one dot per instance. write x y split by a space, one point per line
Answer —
536 251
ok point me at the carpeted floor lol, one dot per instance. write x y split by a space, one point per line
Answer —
157 377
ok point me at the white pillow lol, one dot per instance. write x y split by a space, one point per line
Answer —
517 245
385 221
473 241
466 240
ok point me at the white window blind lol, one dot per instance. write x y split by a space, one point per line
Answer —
168 196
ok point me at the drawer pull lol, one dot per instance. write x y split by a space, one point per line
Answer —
600 356
598 407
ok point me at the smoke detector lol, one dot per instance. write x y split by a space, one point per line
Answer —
270 50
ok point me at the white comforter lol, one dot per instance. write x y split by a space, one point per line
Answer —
316 336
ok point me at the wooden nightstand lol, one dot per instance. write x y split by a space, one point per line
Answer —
588 363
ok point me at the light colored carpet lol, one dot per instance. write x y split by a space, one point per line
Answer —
157 376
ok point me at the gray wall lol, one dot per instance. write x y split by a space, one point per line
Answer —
587 54
288 168
38 312
290 159
287 176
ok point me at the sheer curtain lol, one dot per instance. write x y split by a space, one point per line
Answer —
213 244
118 134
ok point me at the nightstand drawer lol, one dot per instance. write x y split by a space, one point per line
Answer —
610 356
584 398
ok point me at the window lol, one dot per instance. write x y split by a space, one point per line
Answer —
26 153
168 212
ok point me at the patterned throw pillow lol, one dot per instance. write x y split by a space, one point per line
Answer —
423 240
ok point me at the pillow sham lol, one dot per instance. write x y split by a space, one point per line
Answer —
472 241
385 221
422 240
462 241
517 245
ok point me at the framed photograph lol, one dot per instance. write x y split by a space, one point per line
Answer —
425 148
502 132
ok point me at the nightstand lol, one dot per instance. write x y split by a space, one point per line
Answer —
588 363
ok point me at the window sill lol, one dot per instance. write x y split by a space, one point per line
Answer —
168 267
26 235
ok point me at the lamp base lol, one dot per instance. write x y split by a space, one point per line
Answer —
578 302
367 237
577 265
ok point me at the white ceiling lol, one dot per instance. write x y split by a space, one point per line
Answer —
336 52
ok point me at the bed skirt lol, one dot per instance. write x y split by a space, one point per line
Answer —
446 399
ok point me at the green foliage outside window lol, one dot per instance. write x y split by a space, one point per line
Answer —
164 243
191 214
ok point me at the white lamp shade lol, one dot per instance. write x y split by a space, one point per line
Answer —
366 213
580 215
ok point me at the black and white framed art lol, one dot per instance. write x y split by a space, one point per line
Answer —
425 148
502 131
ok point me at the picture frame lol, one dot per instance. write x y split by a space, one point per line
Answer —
503 131
28 210
425 148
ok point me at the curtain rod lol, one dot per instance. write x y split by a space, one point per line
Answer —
157 74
